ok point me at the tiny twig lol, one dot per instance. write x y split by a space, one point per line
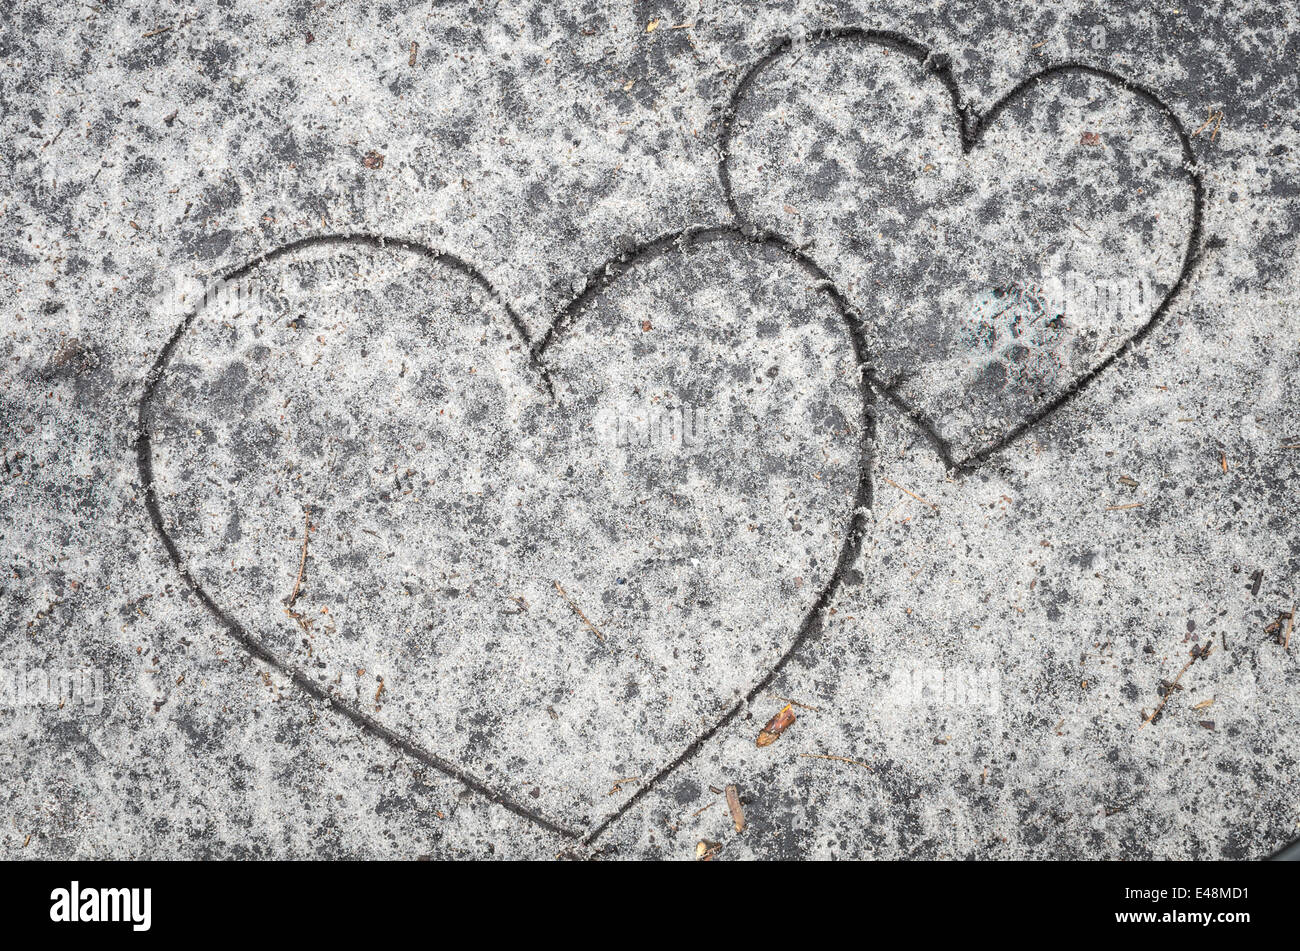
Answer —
838 759
1215 118
910 492
302 570
578 611
1197 654
620 783
302 561
795 703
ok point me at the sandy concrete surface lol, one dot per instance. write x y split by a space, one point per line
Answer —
455 430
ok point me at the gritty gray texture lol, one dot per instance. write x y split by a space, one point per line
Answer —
564 560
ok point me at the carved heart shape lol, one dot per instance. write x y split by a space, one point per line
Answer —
551 570
1005 259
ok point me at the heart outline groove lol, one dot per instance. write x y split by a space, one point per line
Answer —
598 280
869 387
971 124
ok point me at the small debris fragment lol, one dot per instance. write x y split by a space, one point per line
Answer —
910 492
837 759
1255 580
620 783
646 326
1090 138
776 726
298 616
74 357
578 611
1215 118
1198 652
373 160
652 25
733 803
415 48
1208 724
706 850
796 703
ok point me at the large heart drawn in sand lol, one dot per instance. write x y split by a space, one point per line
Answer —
548 568
1001 260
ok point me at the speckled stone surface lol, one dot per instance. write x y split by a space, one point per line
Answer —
455 432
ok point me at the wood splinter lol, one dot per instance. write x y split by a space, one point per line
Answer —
733 803
776 726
